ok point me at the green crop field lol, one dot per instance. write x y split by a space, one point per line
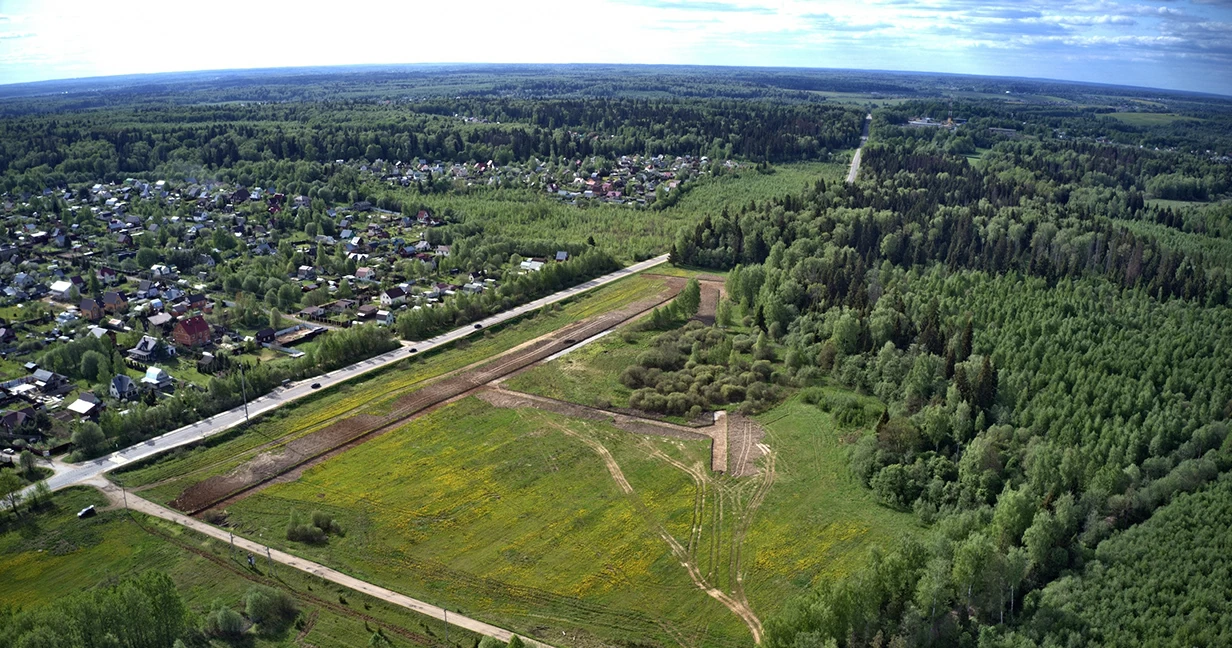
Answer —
167 476
50 554
511 517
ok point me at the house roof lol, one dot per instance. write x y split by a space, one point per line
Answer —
195 325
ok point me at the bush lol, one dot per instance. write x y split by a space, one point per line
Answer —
269 607
299 531
223 622
325 522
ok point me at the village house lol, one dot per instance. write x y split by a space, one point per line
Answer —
61 290
91 309
148 349
114 302
107 275
393 297
192 332
156 378
123 388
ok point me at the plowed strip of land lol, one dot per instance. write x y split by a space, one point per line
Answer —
228 488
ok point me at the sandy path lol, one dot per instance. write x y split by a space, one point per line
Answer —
142 505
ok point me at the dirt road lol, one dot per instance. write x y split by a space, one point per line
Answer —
223 490
855 159
139 504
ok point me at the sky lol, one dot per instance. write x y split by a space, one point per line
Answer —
1172 44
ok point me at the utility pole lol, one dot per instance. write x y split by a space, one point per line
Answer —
446 611
244 391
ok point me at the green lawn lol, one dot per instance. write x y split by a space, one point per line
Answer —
51 554
374 393
504 515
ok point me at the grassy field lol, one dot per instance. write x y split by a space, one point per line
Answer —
509 516
589 375
817 521
1150 119
170 474
48 555
512 517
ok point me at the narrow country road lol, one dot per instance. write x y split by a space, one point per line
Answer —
68 475
855 159
131 501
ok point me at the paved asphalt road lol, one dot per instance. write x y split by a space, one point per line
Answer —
855 159
283 395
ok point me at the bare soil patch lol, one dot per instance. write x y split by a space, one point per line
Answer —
744 436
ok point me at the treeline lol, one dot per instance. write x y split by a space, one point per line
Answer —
424 322
145 611
39 151
922 208
142 421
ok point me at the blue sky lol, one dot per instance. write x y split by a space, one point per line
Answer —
1177 44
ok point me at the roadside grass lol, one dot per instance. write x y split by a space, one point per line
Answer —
50 554
818 521
501 514
374 393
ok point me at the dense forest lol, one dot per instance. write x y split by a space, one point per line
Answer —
1052 345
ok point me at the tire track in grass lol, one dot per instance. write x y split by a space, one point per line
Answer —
739 608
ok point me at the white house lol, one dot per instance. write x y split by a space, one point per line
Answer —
393 296
159 270
61 289
123 388
532 265
156 378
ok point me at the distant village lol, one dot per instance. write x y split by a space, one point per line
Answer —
628 180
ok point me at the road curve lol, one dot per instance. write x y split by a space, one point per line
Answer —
263 552
283 395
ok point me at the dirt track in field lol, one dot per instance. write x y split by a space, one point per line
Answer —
223 490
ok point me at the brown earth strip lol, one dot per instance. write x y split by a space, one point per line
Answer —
345 433
744 434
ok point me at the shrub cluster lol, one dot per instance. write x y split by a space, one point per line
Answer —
695 368
315 532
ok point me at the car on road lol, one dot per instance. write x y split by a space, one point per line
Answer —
9 451
414 350
478 326
316 385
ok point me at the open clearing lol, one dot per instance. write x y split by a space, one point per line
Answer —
1150 118
167 476
512 517
346 432
49 555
